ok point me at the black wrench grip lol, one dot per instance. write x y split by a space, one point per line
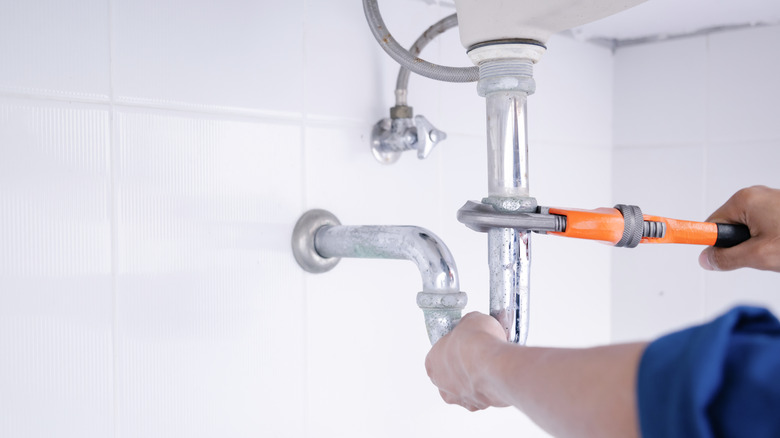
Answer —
731 234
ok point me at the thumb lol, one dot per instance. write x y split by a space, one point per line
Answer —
705 260
726 259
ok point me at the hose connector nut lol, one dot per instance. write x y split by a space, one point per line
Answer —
401 112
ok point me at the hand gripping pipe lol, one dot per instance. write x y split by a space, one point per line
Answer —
319 241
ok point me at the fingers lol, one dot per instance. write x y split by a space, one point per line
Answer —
447 397
476 321
724 259
764 257
472 318
734 211
455 363
758 252
470 404
431 359
758 207
704 262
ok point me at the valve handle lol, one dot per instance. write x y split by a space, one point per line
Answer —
427 136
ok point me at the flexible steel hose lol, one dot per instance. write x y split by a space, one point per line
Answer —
406 59
402 83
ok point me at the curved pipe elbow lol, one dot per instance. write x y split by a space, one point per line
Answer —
441 299
433 259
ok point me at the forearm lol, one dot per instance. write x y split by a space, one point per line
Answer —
568 392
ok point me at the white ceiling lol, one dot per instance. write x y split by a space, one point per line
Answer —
663 18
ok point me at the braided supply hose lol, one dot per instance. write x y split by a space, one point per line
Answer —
441 26
408 60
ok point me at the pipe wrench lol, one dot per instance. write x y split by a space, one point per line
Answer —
621 226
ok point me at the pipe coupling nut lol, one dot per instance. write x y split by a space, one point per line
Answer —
439 300
506 74
442 312
522 204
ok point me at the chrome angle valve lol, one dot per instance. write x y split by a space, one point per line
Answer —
403 132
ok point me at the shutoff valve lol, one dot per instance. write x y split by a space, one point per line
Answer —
402 132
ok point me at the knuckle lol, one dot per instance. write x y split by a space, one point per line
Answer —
750 195
763 251
447 397
767 256
428 366
773 260
468 318
431 364
743 196
481 404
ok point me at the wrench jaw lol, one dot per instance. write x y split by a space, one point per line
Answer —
483 217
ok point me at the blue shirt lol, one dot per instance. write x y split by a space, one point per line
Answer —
720 379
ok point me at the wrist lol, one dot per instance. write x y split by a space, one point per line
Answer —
488 371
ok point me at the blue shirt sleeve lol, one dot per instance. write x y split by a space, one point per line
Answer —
720 379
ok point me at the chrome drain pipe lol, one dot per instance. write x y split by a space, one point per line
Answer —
319 241
506 80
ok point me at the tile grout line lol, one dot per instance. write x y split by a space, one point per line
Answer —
705 148
151 104
440 158
304 204
612 151
114 220
229 113
181 107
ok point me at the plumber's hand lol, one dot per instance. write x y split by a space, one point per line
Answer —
458 363
757 207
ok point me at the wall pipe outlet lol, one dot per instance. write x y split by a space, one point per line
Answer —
319 241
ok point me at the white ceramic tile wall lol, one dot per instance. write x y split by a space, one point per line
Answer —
246 55
660 93
154 158
56 306
746 112
573 100
203 211
693 124
55 48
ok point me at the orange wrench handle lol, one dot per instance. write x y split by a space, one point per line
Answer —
679 231
605 224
